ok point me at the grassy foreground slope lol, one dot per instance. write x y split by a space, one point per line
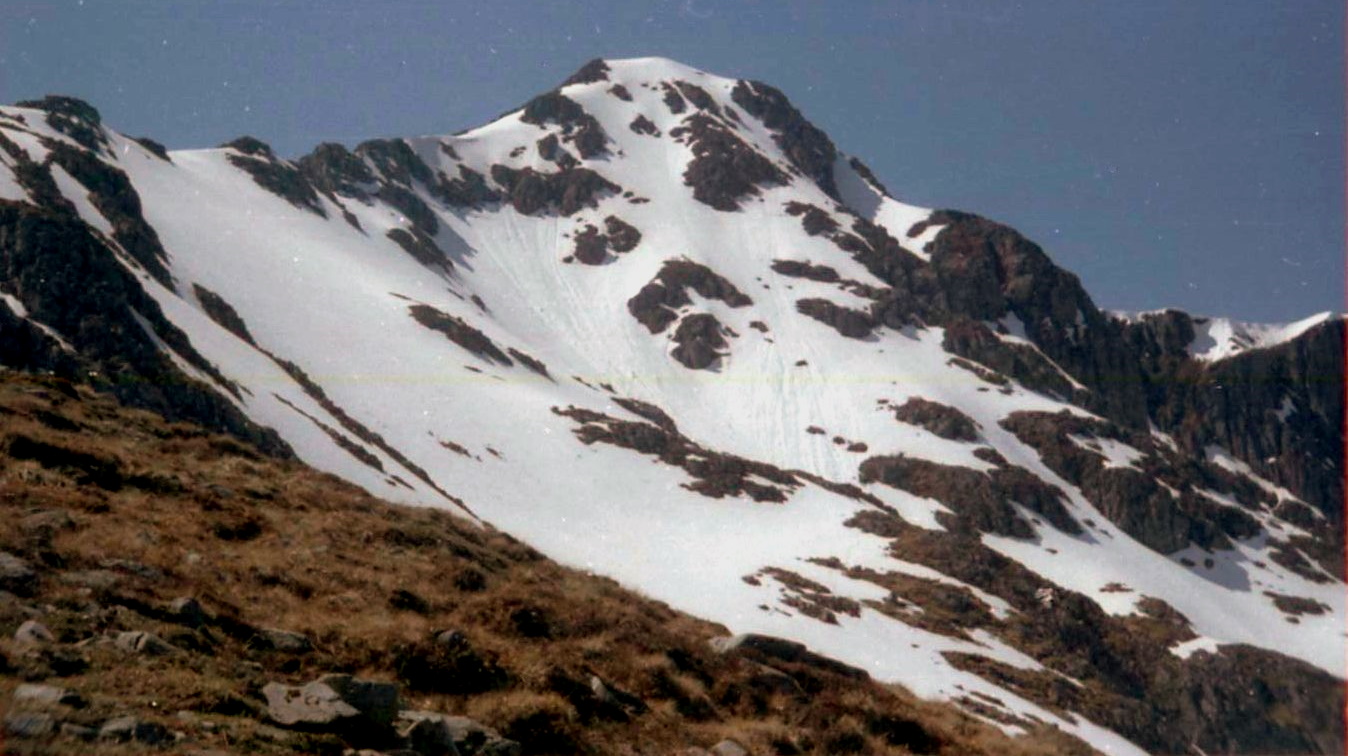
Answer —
111 519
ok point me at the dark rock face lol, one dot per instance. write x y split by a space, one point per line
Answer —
75 118
111 193
421 247
975 341
813 218
724 168
222 312
619 91
805 269
68 280
578 127
567 192
940 419
698 97
643 125
656 304
1133 497
155 148
395 160
470 189
411 206
673 100
716 475
594 70
809 149
980 500
854 324
622 236
278 177
865 172
459 332
333 169
699 340
591 247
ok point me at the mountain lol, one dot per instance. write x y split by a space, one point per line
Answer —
656 325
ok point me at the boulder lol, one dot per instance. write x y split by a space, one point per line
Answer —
467 736
188 611
284 641
331 702
43 695
141 642
16 575
33 633
29 724
729 747
123 729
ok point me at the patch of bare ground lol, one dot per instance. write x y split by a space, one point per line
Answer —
246 570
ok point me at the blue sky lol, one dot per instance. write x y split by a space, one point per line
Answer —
1184 154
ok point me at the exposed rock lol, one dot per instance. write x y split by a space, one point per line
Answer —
23 725
729 748
592 71
699 340
809 149
815 220
32 633
332 702
940 419
781 649
673 100
854 324
129 728
724 168
470 189
426 733
396 161
279 177
567 191
141 642
591 247
805 269
16 575
48 695
619 91
622 236
643 125
186 610
73 117
421 247
717 475
334 169
283 641
865 172
578 127
656 304
458 331
222 312
447 663
154 148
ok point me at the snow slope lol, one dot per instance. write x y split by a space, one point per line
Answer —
333 299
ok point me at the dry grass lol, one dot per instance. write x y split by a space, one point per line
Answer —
159 511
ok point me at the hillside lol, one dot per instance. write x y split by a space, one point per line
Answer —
656 325
121 518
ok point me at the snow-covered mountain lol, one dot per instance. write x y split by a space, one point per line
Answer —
655 324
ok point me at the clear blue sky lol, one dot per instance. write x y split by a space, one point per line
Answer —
1186 154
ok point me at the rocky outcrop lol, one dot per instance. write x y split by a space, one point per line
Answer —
567 191
940 419
73 117
280 177
577 127
656 305
725 169
699 341
68 280
854 324
458 331
808 148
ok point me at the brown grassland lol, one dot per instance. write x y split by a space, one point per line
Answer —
120 513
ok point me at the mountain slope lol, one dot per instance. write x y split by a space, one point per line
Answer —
656 325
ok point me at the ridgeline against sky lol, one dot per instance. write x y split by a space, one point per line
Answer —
1188 156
